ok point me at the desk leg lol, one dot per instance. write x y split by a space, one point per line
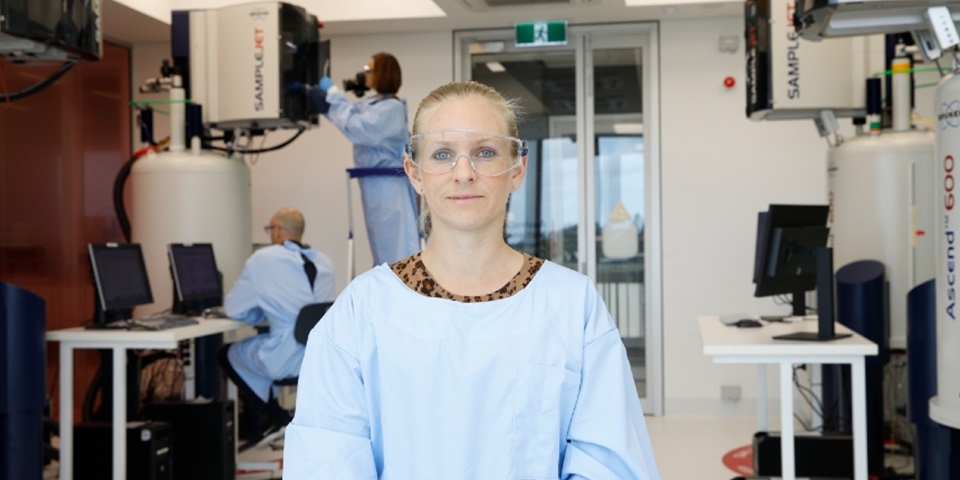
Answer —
858 385
66 411
190 371
232 395
119 414
762 397
787 460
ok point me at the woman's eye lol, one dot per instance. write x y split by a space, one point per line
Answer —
441 155
486 153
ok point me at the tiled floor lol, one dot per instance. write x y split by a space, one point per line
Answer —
685 448
693 447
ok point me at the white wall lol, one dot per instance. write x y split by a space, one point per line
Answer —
718 171
310 174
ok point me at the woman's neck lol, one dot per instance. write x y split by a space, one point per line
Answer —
470 266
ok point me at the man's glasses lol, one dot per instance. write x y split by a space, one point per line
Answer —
489 154
269 228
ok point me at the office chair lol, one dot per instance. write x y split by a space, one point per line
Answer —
308 318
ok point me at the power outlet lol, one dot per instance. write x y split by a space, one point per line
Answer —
730 393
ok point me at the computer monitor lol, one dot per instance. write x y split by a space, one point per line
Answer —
196 281
120 282
784 262
120 279
792 257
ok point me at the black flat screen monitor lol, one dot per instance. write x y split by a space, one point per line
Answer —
73 26
196 280
793 257
787 236
119 277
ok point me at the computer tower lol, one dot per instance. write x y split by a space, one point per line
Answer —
819 456
203 441
148 451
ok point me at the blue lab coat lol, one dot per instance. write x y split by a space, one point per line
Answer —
378 131
397 385
273 286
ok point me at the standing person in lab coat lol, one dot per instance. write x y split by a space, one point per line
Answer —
468 360
377 127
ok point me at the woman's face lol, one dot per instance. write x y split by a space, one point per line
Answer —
460 199
369 79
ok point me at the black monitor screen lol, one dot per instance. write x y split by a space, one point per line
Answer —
73 26
195 274
787 237
119 276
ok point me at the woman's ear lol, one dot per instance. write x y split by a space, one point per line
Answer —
413 174
519 173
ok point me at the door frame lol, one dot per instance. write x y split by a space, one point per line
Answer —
583 39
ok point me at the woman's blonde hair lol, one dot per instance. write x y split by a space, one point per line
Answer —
509 109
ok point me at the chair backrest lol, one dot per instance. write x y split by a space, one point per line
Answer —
308 318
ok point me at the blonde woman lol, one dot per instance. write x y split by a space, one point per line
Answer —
468 360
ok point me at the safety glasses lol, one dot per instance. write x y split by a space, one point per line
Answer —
489 154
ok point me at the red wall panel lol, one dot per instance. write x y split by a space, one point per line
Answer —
60 150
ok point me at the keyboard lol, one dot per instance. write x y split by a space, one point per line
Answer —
163 322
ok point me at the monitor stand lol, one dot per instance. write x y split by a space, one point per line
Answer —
810 336
825 331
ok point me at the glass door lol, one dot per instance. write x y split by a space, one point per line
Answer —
590 201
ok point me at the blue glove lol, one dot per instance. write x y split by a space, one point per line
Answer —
318 99
325 83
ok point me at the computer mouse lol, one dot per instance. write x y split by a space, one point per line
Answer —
748 323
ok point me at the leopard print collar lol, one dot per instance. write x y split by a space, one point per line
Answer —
415 275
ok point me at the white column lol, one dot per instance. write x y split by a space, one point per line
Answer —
762 397
788 471
66 411
859 406
119 413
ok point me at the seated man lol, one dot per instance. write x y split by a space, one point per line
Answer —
276 282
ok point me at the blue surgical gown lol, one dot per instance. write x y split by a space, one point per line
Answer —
378 131
273 286
400 386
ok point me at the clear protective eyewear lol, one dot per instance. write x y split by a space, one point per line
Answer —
489 154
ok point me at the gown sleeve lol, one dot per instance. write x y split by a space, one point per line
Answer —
608 436
366 124
243 302
329 437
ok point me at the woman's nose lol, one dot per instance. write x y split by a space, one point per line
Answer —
463 168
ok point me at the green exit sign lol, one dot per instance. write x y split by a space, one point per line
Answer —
535 34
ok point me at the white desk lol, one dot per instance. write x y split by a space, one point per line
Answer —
119 341
728 344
